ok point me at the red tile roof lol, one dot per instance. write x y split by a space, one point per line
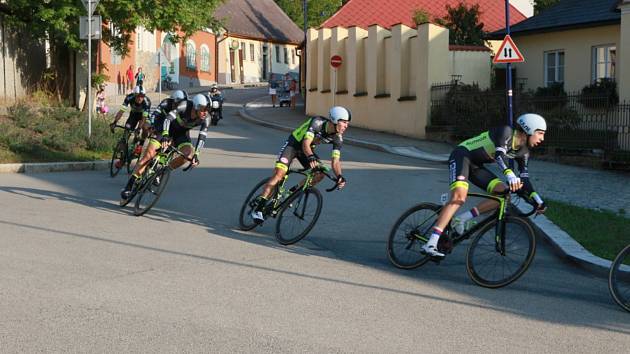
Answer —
364 13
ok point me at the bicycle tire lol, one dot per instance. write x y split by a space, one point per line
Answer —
411 243
619 279
484 244
244 220
118 150
297 199
164 174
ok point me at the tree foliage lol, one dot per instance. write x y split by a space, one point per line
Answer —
463 24
318 10
542 5
58 20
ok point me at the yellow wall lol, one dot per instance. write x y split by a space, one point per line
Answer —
576 45
387 73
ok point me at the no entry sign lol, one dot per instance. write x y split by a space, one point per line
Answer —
336 61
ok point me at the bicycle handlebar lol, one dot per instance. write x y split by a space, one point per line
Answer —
179 152
319 169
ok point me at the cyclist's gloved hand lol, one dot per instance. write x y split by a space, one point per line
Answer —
513 181
195 160
165 140
313 161
341 182
541 207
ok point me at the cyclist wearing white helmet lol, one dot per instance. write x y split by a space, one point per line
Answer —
300 145
467 163
139 105
174 128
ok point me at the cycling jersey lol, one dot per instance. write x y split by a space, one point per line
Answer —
130 102
496 144
178 122
315 129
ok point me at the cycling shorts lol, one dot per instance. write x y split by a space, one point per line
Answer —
462 169
289 151
133 120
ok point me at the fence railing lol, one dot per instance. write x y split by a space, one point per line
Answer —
582 124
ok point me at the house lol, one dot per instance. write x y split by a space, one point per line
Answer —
259 39
364 13
184 65
575 42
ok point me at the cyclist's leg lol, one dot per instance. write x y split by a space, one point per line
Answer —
459 168
184 144
147 155
487 180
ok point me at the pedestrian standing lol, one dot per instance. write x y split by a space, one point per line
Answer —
130 77
293 92
273 86
101 106
139 77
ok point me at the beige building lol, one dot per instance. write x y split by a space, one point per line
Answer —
576 43
253 47
386 75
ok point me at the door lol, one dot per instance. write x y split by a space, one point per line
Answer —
264 63
232 68
240 64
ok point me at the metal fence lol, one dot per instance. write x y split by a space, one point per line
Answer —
576 123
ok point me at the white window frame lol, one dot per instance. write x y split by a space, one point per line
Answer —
608 62
191 55
205 58
556 66
252 56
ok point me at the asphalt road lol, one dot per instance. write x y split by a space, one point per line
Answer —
80 274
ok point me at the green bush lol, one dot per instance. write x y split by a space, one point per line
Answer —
551 97
600 94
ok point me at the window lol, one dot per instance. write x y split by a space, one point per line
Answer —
277 54
293 56
251 51
205 58
243 52
603 59
139 38
190 55
116 56
554 67
286 55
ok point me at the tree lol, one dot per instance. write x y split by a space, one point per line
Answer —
58 20
463 24
542 5
420 16
318 10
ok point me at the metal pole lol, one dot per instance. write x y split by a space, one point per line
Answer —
160 72
509 68
89 90
303 57
334 90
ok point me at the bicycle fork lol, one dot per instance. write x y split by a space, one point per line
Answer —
499 239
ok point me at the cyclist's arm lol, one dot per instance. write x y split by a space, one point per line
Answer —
306 144
528 187
122 110
201 139
502 139
336 155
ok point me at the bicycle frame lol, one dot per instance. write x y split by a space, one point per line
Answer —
283 193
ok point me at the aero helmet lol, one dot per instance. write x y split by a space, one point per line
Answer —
178 96
200 102
530 122
338 113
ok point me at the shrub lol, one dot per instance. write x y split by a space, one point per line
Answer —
600 94
550 97
420 16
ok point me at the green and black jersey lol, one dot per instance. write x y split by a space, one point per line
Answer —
496 144
315 129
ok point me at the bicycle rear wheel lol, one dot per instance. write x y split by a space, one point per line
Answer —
298 215
150 191
245 222
409 233
489 268
120 155
619 279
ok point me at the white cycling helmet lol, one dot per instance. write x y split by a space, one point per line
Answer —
200 101
179 95
338 113
530 122
139 91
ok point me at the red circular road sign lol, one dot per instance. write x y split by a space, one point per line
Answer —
336 61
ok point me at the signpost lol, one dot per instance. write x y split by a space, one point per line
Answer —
90 6
335 62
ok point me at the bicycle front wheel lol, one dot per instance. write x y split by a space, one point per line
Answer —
490 268
410 232
150 191
120 155
245 221
298 215
619 279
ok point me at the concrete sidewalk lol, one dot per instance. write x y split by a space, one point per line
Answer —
589 188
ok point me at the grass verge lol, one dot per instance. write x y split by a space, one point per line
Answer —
42 131
603 233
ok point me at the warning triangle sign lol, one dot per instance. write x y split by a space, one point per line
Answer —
508 52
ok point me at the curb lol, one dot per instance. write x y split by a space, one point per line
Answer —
408 152
53 167
566 247
562 243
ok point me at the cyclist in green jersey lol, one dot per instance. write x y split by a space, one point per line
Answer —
466 163
300 145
